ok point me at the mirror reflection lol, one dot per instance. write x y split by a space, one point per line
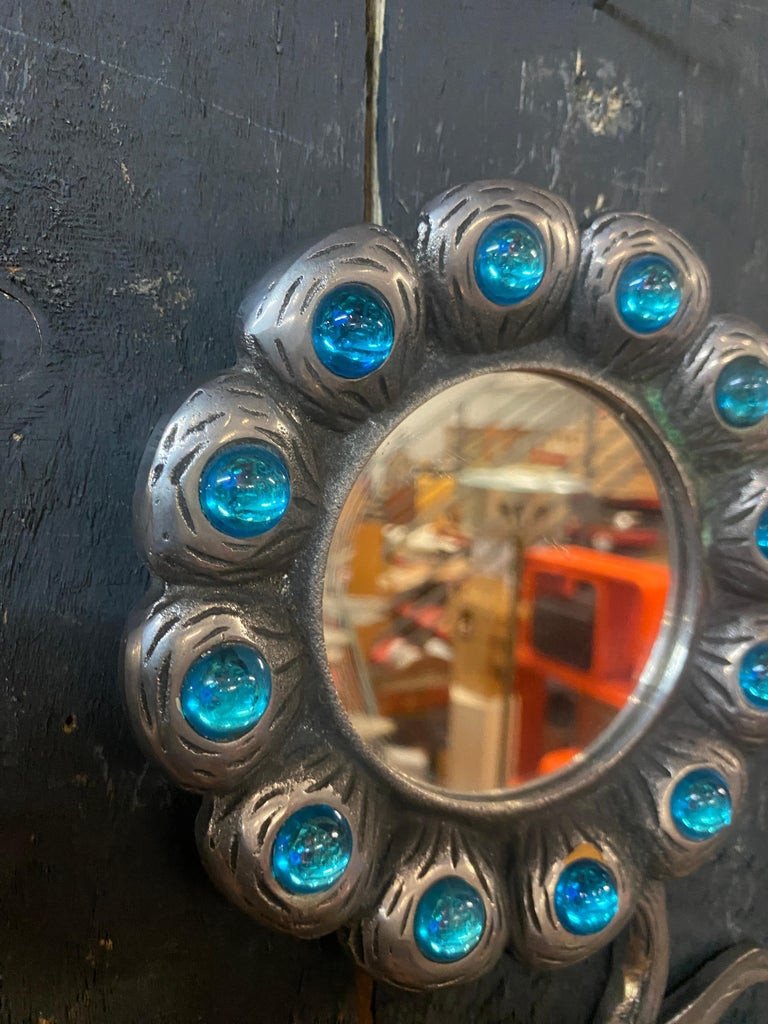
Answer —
495 583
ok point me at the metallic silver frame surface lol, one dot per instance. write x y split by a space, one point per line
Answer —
688 709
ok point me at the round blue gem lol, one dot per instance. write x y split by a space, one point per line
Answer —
648 294
761 533
510 261
245 490
312 849
353 332
753 676
225 692
741 392
586 897
701 804
449 921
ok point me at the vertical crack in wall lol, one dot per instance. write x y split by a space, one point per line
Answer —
375 11
364 996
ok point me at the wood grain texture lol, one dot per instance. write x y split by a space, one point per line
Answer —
154 158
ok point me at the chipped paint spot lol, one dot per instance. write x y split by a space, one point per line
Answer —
166 291
124 173
591 211
146 286
602 104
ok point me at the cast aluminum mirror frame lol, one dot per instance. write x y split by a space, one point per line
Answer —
688 711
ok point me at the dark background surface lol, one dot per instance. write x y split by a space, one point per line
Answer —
155 157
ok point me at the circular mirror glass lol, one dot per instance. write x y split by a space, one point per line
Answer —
496 581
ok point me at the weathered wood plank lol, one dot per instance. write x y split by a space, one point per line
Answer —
656 105
154 158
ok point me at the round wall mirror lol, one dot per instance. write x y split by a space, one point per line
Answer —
496 582
506 600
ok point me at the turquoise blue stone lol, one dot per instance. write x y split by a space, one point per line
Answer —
510 261
353 332
225 692
245 490
449 921
701 804
648 294
586 897
753 676
312 849
741 392
761 533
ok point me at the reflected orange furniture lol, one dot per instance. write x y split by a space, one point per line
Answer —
587 620
557 759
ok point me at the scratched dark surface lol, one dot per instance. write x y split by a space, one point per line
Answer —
154 157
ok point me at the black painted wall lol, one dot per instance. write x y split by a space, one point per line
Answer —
155 156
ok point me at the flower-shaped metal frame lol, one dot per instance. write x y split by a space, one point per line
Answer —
692 391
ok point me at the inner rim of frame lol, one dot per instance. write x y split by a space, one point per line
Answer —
665 664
